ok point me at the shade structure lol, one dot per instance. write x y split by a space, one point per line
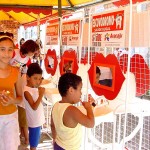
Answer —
46 2
21 17
27 11
25 15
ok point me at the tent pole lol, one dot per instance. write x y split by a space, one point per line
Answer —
128 70
38 26
59 26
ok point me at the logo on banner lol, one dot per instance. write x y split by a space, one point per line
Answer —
108 22
52 34
118 21
112 36
107 37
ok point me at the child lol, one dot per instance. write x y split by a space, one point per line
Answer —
37 56
24 136
33 94
67 67
105 82
22 41
67 120
10 95
21 58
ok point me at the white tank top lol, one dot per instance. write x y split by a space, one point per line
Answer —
35 118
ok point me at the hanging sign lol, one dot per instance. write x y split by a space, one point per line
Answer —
9 24
71 33
108 29
52 34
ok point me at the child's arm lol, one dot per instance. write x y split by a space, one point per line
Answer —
18 89
73 116
28 97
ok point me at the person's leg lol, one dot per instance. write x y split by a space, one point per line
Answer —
26 135
10 132
32 148
19 120
2 125
34 137
23 125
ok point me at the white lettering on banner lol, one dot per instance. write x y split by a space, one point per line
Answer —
52 29
72 26
68 27
103 21
102 29
67 33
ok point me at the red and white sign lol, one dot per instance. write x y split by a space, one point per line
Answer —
108 29
71 32
52 34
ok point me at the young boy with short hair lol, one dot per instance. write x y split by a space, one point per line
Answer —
32 95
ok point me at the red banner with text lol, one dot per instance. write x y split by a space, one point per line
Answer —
71 32
108 29
52 34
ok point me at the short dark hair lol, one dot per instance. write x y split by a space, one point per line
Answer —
34 68
66 81
22 39
29 46
98 70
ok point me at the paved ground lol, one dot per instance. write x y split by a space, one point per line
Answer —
45 143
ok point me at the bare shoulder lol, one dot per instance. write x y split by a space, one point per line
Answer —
70 118
71 110
73 114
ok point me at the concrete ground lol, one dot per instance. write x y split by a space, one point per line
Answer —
45 143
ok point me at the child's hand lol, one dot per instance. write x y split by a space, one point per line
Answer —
90 99
86 105
41 91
